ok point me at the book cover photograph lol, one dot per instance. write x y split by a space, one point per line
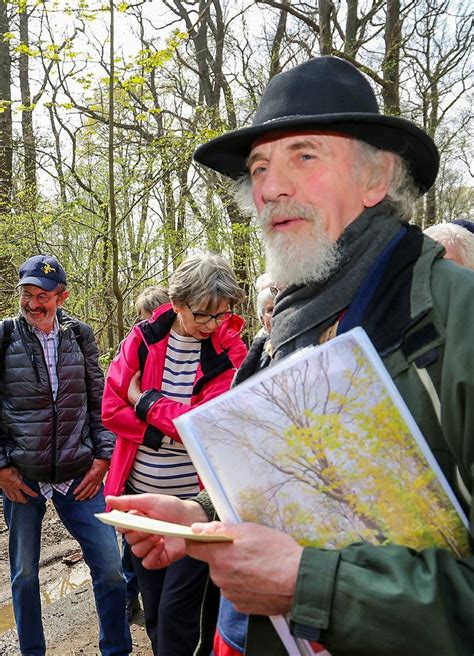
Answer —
323 447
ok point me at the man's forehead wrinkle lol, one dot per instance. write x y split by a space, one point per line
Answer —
312 141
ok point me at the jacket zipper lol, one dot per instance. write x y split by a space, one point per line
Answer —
35 368
390 349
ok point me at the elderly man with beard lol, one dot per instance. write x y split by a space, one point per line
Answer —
333 182
53 446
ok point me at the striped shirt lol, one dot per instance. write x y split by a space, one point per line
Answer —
49 343
170 470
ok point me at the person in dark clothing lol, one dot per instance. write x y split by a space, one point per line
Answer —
146 303
54 446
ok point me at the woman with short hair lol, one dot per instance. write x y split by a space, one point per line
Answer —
186 354
149 299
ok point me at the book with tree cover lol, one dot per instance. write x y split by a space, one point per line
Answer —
322 446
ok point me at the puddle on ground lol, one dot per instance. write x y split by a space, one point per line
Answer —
68 580
7 621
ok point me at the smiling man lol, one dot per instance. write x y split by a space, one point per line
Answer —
53 446
333 182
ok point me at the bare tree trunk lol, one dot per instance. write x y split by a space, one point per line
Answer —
65 257
275 63
58 165
109 319
112 205
6 152
352 23
29 140
391 61
431 208
325 38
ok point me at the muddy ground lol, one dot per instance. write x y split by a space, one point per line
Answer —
69 616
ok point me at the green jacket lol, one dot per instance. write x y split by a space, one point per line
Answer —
371 600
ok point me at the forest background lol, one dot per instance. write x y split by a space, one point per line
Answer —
103 103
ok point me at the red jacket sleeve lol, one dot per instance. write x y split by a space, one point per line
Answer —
118 414
163 411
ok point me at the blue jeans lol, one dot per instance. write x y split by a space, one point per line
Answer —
101 553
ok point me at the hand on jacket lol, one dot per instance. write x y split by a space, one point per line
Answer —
157 551
11 482
90 484
257 572
135 388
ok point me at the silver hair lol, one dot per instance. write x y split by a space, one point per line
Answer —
401 195
241 189
402 191
151 298
264 280
454 235
263 296
204 281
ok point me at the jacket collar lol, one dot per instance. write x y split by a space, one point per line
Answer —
401 312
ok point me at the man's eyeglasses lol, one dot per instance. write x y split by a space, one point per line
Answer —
202 317
42 297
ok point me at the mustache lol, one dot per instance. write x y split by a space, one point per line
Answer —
290 209
41 309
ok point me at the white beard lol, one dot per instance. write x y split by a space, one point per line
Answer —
298 258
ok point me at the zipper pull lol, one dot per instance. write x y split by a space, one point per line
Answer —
35 367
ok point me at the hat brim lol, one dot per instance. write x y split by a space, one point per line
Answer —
228 153
44 283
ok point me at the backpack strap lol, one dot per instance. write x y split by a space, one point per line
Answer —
5 341
69 322
76 329
427 383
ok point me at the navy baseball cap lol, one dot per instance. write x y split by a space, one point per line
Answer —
469 225
43 271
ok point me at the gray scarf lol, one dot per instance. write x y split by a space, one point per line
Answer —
302 313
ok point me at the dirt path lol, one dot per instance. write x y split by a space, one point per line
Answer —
69 615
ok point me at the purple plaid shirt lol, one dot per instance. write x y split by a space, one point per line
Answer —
49 344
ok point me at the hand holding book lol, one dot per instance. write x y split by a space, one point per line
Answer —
159 509
240 586
258 585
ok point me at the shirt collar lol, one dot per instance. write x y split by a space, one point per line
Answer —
51 335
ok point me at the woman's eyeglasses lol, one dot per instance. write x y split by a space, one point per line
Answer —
202 317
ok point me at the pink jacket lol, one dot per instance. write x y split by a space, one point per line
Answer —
221 354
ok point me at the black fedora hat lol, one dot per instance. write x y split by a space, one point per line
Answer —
324 93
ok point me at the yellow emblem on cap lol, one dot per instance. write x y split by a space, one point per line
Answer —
47 268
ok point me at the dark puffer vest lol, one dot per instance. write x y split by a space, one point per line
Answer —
47 440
